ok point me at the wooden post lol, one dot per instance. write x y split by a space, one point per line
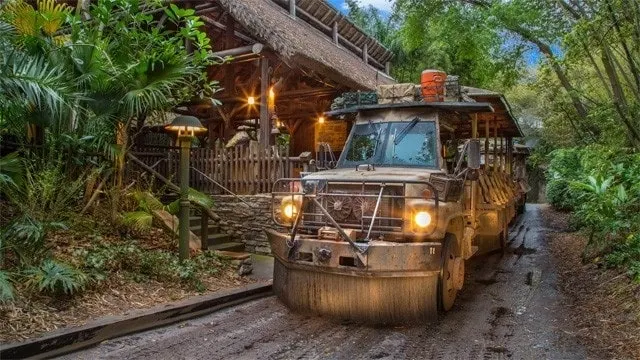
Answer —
486 144
292 8
204 230
365 53
335 33
509 155
474 183
265 126
387 68
502 154
495 147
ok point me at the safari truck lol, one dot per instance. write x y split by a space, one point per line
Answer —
383 237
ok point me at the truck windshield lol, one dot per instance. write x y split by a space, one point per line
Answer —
402 143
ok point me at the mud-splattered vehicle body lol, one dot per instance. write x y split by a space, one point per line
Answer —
383 237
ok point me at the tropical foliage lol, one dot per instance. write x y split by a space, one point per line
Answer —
76 86
571 70
601 187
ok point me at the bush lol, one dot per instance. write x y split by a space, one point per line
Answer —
601 185
25 236
6 287
142 264
626 254
564 167
55 278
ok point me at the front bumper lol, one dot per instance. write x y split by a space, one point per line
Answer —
393 283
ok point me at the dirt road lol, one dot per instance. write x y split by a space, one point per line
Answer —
510 309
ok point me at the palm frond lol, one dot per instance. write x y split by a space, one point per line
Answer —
159 89
195 197
200 198
146 201
33 81
137 220
11 171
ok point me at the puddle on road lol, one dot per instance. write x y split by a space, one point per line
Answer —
489 281
523 250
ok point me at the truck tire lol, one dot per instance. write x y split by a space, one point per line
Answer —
451 277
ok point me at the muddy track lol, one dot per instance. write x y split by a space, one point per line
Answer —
510 309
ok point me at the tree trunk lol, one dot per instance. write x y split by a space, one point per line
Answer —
619 100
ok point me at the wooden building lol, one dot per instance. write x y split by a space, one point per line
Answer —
286 61
289 60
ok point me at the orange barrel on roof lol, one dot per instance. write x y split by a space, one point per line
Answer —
432 83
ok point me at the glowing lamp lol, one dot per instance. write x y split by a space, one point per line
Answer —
186 125
251 100
422 219
321 120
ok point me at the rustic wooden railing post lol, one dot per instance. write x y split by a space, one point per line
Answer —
204 230
292 8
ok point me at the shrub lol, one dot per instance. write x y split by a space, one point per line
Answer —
601 186
150 264
6 287
626 254
55 278
25 236
564 167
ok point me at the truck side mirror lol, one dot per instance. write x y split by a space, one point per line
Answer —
473 154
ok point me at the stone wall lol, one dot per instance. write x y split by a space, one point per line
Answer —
246 224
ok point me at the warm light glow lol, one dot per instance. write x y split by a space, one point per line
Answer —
321 120
272 94
289 210
422 219
251 100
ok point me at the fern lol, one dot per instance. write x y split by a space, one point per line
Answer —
55 278
6 287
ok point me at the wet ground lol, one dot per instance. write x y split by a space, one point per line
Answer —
510 309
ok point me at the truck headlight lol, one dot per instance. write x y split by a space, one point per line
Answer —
422 219
289 210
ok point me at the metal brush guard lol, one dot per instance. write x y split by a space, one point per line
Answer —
315 194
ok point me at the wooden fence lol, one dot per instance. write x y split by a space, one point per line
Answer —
240 169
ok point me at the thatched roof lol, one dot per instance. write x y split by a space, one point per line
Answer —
301 44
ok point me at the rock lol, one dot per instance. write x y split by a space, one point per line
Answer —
245 270
170 222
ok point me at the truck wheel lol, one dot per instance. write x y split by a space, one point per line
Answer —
451 275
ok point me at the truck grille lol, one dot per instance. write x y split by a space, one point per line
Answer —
352 207
350 203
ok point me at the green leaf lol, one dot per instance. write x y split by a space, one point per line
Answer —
138 220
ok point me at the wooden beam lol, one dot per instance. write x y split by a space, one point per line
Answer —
335 33
223 27
365 53
265 126
242 50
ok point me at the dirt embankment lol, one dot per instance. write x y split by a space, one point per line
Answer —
605 302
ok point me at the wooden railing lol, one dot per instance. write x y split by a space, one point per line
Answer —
240 170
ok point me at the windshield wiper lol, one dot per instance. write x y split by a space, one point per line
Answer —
405 131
